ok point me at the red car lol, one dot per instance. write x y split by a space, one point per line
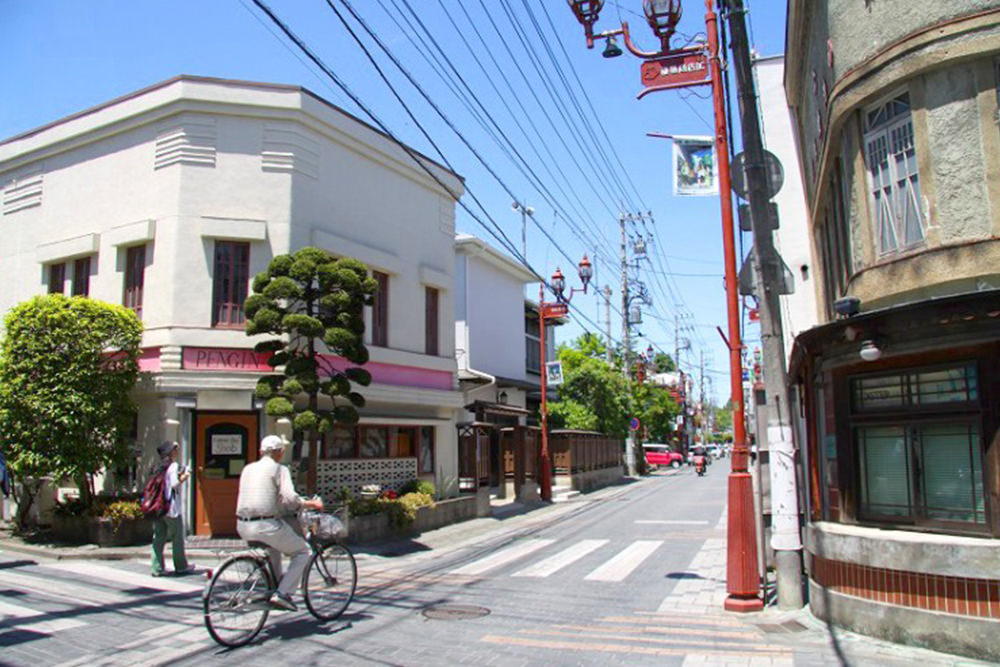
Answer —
661 455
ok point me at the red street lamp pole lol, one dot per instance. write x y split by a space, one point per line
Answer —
678 68
546 309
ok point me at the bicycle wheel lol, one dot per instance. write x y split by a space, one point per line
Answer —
236 603
330 580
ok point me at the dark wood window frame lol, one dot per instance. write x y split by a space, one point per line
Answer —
432 299
380 310
230 283
135 278
81 276
57 278
359 431
913 419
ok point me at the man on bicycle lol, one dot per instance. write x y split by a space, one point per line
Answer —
266 497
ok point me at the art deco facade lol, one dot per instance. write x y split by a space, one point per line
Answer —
170 199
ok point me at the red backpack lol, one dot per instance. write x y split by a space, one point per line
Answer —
154 503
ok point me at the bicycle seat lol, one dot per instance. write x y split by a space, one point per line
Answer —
254 544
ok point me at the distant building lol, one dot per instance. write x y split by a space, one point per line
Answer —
895 108
171 198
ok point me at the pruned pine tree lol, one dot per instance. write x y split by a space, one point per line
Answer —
313 304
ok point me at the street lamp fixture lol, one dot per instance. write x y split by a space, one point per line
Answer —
663 17
672 69
546 310
586 12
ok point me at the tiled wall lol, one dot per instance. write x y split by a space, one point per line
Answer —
953 595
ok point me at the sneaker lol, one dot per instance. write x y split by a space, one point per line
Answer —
190 569
284 602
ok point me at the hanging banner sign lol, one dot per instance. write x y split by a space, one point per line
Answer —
675 71
553 373
695 172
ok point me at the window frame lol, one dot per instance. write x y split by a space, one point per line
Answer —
432 313
912 417
888 201
81 276
133 285
232 266
380 310
57 278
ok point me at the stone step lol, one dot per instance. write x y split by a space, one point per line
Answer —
561 494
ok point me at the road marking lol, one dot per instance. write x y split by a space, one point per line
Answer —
10 613
673 522
55 588
126 577
503 557
622 565
562 559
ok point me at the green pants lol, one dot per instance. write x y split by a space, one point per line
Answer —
171 528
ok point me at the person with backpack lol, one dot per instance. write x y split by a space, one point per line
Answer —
163 502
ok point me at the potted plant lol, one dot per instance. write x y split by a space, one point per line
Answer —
120 523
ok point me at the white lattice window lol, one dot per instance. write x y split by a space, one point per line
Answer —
892 175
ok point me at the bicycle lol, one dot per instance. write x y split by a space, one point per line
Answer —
237 600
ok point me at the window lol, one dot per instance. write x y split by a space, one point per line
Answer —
431 322
135 270
230 277
836 238
892 175
919 447
81 277
380 311
427 449
532 351
57 277
375 441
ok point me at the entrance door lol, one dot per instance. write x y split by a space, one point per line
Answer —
224 443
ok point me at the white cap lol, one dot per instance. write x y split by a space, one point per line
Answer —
272 443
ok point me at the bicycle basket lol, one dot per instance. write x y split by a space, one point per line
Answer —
322 526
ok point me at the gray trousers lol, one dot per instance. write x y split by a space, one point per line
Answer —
279 535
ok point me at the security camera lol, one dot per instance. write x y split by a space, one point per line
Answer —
847 306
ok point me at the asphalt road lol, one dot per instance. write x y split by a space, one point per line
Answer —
629 575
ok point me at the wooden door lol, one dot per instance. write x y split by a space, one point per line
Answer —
224 443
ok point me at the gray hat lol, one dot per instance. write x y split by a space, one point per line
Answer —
164 449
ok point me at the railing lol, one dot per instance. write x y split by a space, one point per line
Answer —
575 452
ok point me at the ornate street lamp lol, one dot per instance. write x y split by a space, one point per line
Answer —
663 17
586 12
680 68
550 309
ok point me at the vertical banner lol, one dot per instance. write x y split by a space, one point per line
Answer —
695 171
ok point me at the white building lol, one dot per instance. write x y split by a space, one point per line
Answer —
171 198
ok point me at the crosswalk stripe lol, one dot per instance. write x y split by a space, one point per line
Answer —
672 522
502 557
622 565
10 613
126 577
81 595
560 560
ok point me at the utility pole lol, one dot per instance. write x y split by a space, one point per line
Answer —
626 342
525 212
785 537
607 321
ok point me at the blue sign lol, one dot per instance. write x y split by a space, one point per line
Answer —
634 424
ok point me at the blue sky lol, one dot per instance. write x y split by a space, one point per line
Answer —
62 56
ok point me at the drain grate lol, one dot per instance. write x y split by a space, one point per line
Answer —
782 628
454 612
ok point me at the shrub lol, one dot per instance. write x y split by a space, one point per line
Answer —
418 486
402 511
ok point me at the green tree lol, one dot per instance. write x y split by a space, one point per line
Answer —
67 366
662 363
593 395
724 417
313 303
657 411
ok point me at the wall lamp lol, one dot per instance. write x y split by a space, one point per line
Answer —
870 350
